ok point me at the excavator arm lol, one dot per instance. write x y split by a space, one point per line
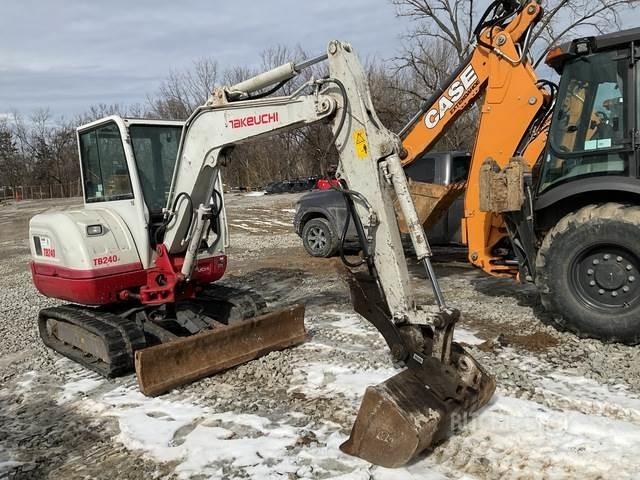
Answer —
499 78
409 412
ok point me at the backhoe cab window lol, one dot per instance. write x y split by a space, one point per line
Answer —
104 165
156 149
589 119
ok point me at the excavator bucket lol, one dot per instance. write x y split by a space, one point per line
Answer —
413 411
431 201
418 407
168 365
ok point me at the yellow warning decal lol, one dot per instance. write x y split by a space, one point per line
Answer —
360 142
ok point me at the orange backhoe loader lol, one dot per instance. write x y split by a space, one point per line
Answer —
553 192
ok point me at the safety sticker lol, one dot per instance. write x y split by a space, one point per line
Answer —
360 142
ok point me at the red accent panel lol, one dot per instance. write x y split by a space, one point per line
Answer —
327 183
83 289
58 271
102 286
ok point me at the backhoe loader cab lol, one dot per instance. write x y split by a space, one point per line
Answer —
588 192
592 129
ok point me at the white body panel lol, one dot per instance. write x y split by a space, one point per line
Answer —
64 234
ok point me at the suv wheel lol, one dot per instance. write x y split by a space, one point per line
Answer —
318 238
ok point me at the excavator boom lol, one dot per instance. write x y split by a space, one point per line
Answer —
442 380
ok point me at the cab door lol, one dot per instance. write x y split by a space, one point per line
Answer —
110 180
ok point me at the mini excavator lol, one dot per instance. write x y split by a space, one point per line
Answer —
138 264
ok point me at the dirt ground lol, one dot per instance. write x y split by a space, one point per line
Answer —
564 407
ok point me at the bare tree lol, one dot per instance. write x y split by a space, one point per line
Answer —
48 149
12 172
453 21
567 18
181 92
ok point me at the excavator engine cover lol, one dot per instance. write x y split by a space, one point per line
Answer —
418 407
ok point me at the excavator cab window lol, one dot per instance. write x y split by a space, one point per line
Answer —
155 148
104 165
588 131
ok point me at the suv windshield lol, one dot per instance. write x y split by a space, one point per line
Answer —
588 128
156 149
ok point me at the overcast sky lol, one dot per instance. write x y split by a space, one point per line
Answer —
70 54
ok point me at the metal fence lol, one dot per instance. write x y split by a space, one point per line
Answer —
39 192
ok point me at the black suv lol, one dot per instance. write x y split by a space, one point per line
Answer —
320 216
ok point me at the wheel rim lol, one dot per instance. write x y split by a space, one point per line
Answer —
317 239
606 277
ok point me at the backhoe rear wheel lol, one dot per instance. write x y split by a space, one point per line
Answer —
588 272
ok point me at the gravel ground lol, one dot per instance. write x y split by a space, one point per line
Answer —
60 421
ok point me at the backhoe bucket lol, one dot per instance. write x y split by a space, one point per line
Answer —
168 365
431 202
411 412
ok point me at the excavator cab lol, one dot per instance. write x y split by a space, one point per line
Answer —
116 172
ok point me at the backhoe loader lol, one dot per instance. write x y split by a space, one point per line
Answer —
138 262
553 194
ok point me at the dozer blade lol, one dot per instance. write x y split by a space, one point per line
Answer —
410 412
431 202
163 367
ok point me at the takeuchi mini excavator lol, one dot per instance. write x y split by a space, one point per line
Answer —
553 193
139 262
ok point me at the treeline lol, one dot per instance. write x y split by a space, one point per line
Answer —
42 149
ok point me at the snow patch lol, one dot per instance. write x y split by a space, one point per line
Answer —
198 440
590 396
254 194
321 379
511 432
244 226
24 386
462 335
76 388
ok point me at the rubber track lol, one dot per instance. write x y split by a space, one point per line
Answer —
120 336
249 303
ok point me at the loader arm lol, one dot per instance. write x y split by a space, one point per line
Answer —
500 75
